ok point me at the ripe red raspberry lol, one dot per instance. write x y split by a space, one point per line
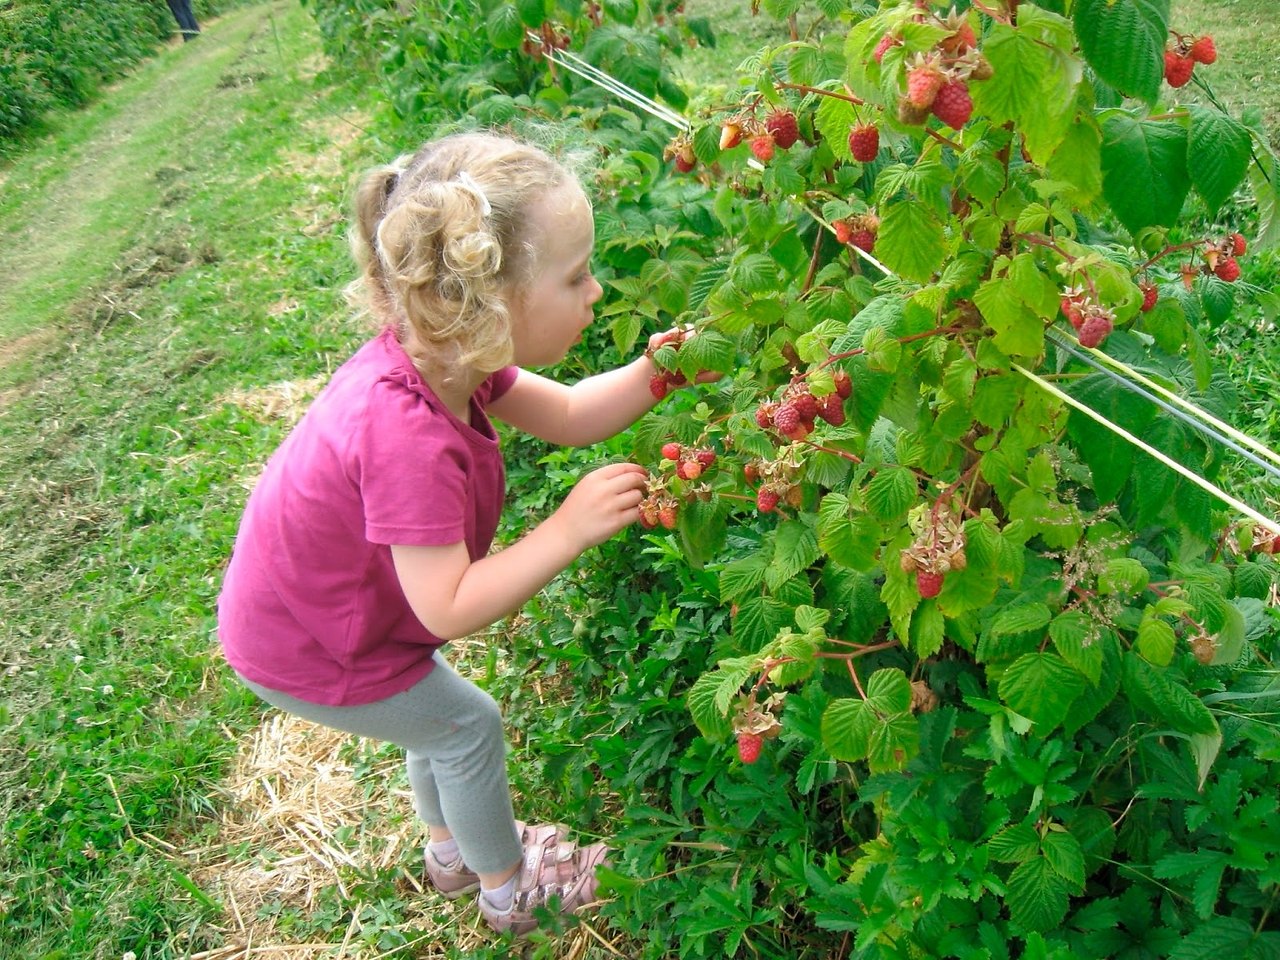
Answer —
1203 50
923 84
688 469
762 147
831 409
787 418
1177 68
667 515
806 405
1070 305
782 125
1094 330
1238 244
886 42
658 385
844 384
766 500
764 414
751 471
953 105
684 164
1227 269
749 745
844 232
705 456
864 240
864 142
671 451
928 583
1149 296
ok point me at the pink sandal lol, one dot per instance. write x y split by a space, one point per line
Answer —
553 870
454 880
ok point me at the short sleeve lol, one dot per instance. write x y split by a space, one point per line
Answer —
410 467
496 385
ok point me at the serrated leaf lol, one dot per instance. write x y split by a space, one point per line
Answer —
846 729
709 350
1020 618
795 548
1165 698
1217 939
1217 155
891 492
758 621
888 692
1064 854
1019 332
1017 843
504 27
709 698
910 241
1037 897
834 119
1144 170
1156 641
742 576
1041 686
1074 639
1124 42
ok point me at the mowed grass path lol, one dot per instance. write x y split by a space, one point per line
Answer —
167 257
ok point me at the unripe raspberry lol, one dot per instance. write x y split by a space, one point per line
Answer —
908 562
928 583
844 384
667 515
685 164
910 114
960 41
953 105
886 42
671 451
762 147
730 135
1204 649
688 469
1227 269
782 125
658 385
843 230
1203 50
799 432
766 500
864 142
764 414
751 472
794 495
923 84
787 418
648 513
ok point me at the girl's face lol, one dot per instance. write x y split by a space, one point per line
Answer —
556 307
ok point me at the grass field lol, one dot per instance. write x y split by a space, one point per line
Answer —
171 260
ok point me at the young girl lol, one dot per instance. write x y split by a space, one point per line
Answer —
365 546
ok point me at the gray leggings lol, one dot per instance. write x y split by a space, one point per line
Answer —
455 752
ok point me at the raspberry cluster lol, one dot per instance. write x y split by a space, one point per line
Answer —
780 130
660 383
937 80
858 231
938 547
1182 55
1093 321
794 415
1220 256
690 461
754 723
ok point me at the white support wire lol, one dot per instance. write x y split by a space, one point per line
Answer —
1146 448
593 74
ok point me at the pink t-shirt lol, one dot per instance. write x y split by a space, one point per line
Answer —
310 604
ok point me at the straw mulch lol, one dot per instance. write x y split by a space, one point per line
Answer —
310 815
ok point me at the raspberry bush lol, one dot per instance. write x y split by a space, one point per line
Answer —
967 674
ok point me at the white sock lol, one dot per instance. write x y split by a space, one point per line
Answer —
445 851
501 898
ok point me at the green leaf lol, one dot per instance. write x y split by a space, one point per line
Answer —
1037 896
1153 691
1017 843
1019 332
1124 42
891 492
1078 160
1144 170
758 621
849 541
1123 576
834 119
1221 937
1156 641
910 241
1217 155
1074 639
742 576
1064 854
795 548
846 729
889 692
533 12
1041 686
1031 87
709 350
504 27
708 699
1021 618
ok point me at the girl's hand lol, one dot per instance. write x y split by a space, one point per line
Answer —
602 503
675 337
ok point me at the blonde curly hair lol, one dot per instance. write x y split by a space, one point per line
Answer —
443 241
